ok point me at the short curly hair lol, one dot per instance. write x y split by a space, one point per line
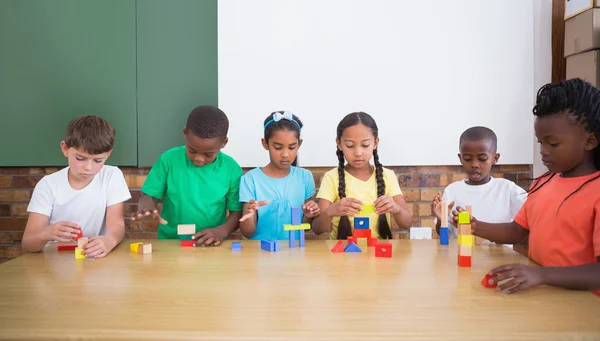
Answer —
208 122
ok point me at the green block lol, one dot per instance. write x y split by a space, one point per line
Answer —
186 237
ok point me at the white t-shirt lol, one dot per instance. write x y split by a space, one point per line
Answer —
55 198
497 201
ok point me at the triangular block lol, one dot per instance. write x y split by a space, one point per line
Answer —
352 248
339 247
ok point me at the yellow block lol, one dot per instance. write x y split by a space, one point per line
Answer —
464 217
367 209
134 247
79 254
465 240
465 250
289 227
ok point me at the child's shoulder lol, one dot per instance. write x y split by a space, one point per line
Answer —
228 161
173 153
107 172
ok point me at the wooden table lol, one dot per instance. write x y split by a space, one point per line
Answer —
310 293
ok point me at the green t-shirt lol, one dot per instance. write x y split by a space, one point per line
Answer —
192 194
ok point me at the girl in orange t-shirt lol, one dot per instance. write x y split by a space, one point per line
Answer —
561 216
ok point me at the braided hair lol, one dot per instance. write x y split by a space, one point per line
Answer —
283 124
581 101
344 230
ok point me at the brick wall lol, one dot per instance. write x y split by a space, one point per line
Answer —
419 185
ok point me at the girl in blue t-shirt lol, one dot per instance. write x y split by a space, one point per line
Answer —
269 193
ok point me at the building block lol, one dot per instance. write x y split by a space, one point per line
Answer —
145 249
352 240
82 242
338 247
134 247
383 250
187 243
421 233
444 235
464 229
186 229
236 246
304 226
66 247
367 209
485 281
80 234
79 254
465 250
296 216
186 237
302 238
444 215
269 245
351 247
292 239
361 223
469 209
464 217
465 240
361 234
372 241
464 261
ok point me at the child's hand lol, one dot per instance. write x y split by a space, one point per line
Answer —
385 204
436 206
253 206
146 208
523 277
208 237
97 247
345 207
455 218
311 209
63 231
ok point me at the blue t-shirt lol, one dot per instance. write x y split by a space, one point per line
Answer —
282 193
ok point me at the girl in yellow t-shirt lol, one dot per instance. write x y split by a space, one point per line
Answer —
355 182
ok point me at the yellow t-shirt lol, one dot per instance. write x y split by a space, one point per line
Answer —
365 191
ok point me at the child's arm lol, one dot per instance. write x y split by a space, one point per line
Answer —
501 233
147 206
344 207
100 246
215 236
311 210
250 217
37 232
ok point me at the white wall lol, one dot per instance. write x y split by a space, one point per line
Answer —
425 70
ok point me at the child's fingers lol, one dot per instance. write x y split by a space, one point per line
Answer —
450 205
206 242
502 268
354 201
200 238
217 243
511 286
246 216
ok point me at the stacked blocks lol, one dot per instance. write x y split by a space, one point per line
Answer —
296 225
81 243
186 234
465 239
444 230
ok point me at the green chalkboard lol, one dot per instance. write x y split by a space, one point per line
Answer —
60 59
177 69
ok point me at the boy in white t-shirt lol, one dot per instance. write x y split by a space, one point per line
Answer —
498 200
86 195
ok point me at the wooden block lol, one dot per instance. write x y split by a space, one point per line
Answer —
134 247
361 234
464 261
383 250
187 243
66 247
338 247
464 217
145 249
469 209
79 253
296 216
464 229
186 237
289 227
82 242
186 229
444 215
465 240
367 209
352 240
465 250
361 223
486 281
372 241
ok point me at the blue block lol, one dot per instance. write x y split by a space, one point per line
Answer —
302 238
269 245
296 216
361 223
352 248
444 235
292 239
236 246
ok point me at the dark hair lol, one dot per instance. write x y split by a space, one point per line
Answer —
270 126
477 134
92 133
581 101
208 122
350 120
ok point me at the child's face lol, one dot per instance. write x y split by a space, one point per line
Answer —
477 158
357 143
202 151
283 146
83 166
564 143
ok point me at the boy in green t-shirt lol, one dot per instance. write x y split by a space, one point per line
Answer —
196 183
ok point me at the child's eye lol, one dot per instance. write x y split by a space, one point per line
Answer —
98 161
553 144
277 148
209 155
292 148
79 158
191 151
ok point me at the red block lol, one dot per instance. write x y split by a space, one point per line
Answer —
485 281
80 235
383 250
464 261
358 233
339 247
67 247
187 243
352 240
372 241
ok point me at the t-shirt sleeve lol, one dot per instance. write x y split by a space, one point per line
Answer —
391 183
42 199
156 181
518 196
521 217
117 189
309 182
233 196
327 189
596 233
247 188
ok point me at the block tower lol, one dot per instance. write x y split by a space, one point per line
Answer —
186 234
465 238
444 230
296 225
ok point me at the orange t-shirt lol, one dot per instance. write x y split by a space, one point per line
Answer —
567 237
